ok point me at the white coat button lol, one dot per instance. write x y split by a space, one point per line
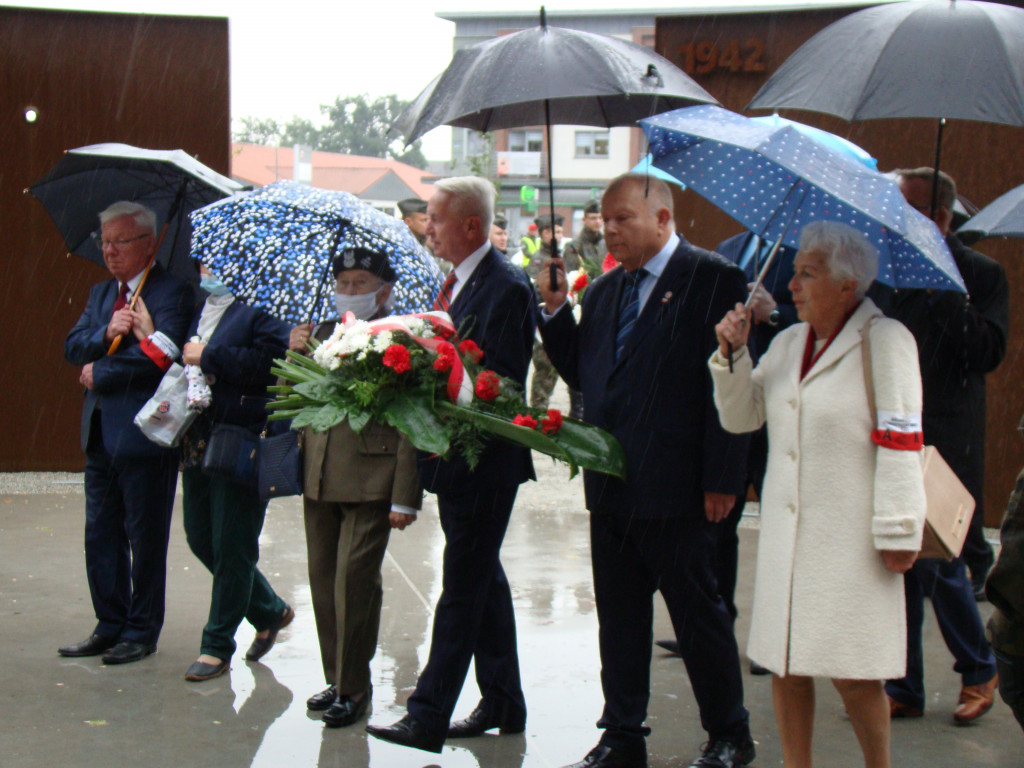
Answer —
908 526
792 455
791 509
792 403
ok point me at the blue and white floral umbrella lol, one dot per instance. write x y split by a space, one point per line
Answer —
274 248
774 180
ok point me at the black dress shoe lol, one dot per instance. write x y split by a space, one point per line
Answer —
672 646
127 651
321 701
721 753
603 756
345 712
94 645
200 671
260 645
483 719
408 732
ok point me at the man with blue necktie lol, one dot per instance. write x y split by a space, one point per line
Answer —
640 354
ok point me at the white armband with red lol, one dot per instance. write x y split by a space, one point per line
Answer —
899 431
160 349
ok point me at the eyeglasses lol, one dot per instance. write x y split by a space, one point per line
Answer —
101 243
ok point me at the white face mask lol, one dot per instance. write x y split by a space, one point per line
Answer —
362 305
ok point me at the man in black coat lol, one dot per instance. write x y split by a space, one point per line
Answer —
640 357
491 302
960 338
129 481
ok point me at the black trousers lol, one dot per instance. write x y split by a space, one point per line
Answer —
474 619
633 558
128 506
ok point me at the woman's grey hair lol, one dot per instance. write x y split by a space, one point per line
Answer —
141 215
471 196
848 254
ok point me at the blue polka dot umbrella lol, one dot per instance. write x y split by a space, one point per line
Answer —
274 248
775 179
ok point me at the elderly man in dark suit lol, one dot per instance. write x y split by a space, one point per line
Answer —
129 481
640 356
492 303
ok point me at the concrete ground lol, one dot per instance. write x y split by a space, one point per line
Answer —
77 712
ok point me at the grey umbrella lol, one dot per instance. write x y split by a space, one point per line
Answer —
549 75
933 58
1003 217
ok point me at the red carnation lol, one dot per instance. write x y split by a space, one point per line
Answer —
445 356
470 349
525 421
551 423
396 357
488 385
581 282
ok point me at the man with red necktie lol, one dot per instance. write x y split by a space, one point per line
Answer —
129 481
492 303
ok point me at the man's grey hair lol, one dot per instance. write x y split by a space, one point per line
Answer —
141 215
848 253
471 196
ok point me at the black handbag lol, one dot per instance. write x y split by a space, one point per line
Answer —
231 454
279 465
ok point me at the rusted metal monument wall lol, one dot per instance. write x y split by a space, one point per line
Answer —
152 81
732 55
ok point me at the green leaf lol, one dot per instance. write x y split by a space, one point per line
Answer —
577 443
321 390
358 420
513 433
327 416
415 418
304 419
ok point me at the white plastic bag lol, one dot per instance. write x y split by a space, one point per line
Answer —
166 415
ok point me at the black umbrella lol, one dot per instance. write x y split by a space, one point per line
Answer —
959 59
1003 217
88 179
549 75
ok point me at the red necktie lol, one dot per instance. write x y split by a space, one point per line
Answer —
122 298
444 298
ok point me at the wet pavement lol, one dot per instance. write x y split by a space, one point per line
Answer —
77 712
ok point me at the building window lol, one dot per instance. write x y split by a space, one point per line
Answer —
525 141
591 143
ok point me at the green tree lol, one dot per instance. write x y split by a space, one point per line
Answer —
355 125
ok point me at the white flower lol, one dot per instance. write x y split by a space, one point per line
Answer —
382 341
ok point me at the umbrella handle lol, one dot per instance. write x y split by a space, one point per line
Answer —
764 271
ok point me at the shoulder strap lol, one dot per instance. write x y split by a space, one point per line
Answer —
869 377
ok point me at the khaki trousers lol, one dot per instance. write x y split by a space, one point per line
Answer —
346 544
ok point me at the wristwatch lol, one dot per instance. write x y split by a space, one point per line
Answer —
774 317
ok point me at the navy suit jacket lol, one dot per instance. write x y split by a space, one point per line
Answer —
125 380
776 282
497 309
657 399
239 355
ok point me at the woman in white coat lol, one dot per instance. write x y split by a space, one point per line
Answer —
843 505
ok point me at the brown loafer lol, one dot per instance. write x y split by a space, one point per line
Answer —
261 645
898 709
975 701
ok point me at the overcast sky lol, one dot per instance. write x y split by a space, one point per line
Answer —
290 56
